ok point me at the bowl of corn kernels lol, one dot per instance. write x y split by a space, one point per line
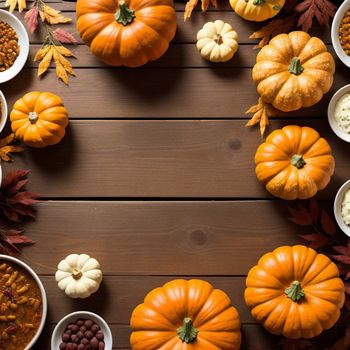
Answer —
341 32
14 46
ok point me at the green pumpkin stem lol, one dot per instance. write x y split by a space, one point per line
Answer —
124 15
294 291
187 332
295 66
258 2
298 161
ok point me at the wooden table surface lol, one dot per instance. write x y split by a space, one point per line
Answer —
155 177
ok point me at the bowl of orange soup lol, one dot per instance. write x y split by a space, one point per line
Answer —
23 305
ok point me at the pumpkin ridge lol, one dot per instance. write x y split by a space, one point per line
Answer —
202 324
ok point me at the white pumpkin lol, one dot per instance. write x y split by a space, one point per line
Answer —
217 41
78 275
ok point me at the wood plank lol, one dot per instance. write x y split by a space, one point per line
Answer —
252 335
160 159
186 32
145 93
178 55
160 238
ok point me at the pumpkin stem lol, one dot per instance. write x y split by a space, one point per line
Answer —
298 161
295 66
124 15
76 273
218 39
33 117
258 2
187 332
294 291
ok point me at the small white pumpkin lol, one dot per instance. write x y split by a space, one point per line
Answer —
217 41
78 275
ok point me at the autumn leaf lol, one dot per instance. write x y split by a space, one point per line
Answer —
328 224
191 4
314 210
6 148
11 240
322 10
15 202
63 36
13 3
52 16
31 18
45 63
261 113
316 240
300 216
273 28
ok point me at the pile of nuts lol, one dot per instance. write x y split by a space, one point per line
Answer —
344 32
9 48
82 335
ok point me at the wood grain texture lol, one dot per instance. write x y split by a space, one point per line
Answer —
150 93
159 238
160 159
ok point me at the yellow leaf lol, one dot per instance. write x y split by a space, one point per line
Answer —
52 16
59 59
45 63
214 3
6 149
64 51
41 53
205 4
61 73
13 3
21 5
190 5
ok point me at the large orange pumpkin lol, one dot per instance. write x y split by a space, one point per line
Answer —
295 292
185 315
294 162
39 119
126 33
293 71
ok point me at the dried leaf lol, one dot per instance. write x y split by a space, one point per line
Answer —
314 210
64 62
52 16
273 28
347 337
344 259
262 111
64 51
17 237
61 73
63 36
328 224
316 240
6 148
31 18
300 216
13 3
322 10
45 63
41 53
190 5
15 203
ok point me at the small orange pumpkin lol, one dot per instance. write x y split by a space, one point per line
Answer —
295 292
126 33
294 162
39 119
186 315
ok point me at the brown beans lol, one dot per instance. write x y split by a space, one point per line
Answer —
82 335
9 48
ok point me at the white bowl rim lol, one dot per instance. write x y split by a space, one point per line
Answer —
3 110
335 33
42 290
338 200
330 113
24 49
81 314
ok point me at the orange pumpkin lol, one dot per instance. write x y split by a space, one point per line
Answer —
185 315
294 162
126 33
293 71
39 119
295 292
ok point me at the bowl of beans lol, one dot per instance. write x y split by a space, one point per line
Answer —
82 330
14 46
341 32
23 305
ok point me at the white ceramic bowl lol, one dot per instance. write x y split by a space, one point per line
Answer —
23 41
3 111
335 33
337 207
43 295
61 326
331 107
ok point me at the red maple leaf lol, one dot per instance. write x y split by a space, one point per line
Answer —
11 239
316 240
300 216
322 10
